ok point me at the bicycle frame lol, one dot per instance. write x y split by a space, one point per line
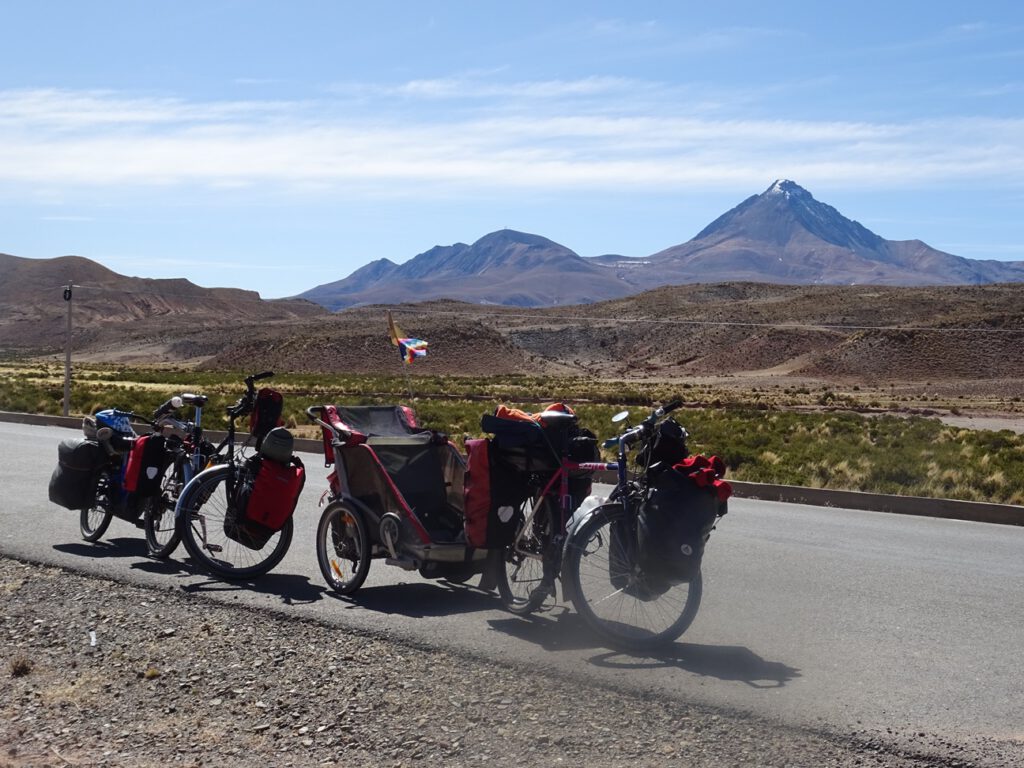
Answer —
226 447
553 557
562 477
193 431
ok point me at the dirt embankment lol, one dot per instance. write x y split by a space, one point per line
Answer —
99 673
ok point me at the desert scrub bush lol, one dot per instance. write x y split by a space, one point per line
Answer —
21 666
841 450
888 454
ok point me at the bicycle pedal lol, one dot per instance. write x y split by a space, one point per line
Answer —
214 548
542 593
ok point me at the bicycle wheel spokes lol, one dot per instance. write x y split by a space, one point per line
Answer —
159 524
94 520
205 510
616 599
525 572
521 577
158 518
343 547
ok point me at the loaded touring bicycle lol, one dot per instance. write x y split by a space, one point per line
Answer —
514 511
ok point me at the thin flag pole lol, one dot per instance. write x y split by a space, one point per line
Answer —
409 348
408 380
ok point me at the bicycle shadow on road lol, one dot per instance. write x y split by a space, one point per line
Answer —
120 547
558 629
291 588
420 601
724 662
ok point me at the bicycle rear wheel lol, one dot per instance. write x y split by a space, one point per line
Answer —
202 513
95 519
521 585
614 597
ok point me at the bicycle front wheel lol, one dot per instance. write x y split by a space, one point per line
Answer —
94 520
158 521
613 595
521 584
203 510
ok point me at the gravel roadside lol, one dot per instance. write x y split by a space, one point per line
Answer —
97 672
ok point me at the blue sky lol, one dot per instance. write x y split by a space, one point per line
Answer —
277 146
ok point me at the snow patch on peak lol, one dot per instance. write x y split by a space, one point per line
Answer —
786 188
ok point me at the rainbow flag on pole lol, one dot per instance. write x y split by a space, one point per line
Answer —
408 347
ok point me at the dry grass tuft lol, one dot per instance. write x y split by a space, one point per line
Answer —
21 666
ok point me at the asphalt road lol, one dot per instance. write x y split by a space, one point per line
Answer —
818 617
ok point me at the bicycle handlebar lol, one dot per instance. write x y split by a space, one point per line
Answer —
132 416
645 427
244 404
668 408
250 380
169 407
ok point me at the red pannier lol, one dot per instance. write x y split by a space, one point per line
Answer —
494 495
265 500
146 464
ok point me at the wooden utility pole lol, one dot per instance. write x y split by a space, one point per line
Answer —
67 353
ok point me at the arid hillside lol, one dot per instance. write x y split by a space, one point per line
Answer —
960 336
110 310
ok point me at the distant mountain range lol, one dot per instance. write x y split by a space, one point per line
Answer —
782 235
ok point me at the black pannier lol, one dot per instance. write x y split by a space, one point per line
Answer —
524 445
266 413
73 482
667 448
675 521
582 448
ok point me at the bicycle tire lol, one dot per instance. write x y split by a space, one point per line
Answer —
158 519
342 538
521 574
94 520
201 513
613 597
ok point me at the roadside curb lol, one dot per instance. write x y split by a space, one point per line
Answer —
951 509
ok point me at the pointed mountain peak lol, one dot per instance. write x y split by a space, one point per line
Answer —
786 212
787 189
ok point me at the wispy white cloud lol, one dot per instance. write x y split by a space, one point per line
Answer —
468 87
67 111
59 139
